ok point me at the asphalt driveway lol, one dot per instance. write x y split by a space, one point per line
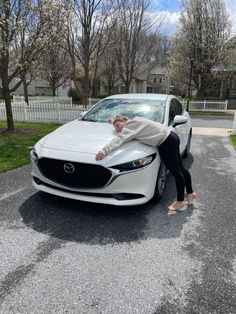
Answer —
64 256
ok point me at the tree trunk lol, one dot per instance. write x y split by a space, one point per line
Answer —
7 99
127 85
221 89
7 96
73 76
110 88
25 86
201 90
53 91
86 87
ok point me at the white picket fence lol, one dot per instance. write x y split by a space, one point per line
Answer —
51 111
43 112
207 105
44 99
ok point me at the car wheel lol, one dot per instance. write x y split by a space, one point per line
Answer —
187 149
161 182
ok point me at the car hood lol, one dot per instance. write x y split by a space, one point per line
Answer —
87 137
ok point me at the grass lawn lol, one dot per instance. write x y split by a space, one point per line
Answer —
15 146
233 140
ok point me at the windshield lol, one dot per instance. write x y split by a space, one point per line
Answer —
152 109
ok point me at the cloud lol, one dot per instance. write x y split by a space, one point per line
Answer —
231 9
169 22
171 16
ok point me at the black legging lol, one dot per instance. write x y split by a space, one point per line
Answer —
170 155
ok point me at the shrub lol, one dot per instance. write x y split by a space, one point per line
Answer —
74 93
102 96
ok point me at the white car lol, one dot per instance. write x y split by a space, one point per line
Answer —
63 162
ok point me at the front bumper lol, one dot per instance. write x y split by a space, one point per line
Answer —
130 188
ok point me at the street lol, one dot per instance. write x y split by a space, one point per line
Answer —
65 256
212 122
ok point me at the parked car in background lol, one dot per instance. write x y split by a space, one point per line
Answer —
63 162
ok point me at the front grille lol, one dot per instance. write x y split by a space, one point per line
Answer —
74 174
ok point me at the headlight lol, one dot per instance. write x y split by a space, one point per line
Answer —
34 155
136 164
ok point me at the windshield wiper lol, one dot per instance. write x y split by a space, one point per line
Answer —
90 120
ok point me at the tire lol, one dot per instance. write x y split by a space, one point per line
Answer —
161 182
187 149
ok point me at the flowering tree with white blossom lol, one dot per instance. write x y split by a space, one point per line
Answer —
27 29
200 43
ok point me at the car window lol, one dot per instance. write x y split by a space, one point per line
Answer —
109 108
176 108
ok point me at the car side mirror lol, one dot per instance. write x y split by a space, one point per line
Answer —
178 119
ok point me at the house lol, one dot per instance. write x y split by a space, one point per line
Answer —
225 85
153 81
158 80
138 85
37 87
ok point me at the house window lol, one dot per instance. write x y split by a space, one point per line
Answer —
160 80
155 80
149 89
122 90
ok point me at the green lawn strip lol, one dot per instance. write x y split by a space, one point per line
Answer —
233 140
15 146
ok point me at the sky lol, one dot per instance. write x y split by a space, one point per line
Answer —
170 9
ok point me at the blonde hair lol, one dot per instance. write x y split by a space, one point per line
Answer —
120 119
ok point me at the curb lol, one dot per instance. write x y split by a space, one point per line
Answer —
212 131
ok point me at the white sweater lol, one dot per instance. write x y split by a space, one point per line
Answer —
141 129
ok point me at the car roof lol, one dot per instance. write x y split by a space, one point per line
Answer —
140 96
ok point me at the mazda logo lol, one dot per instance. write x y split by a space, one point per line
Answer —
69 168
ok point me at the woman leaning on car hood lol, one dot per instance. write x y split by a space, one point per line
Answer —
158 135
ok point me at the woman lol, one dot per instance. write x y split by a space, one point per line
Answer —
157 135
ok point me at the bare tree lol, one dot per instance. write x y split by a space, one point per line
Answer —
132 44
87 38
109 71
204 30
55 67
26 29
160 50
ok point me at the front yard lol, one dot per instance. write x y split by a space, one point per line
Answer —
15 146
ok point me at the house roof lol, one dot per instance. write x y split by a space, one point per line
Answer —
223 68
158 70
141 73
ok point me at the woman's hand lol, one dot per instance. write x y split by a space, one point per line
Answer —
100 155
